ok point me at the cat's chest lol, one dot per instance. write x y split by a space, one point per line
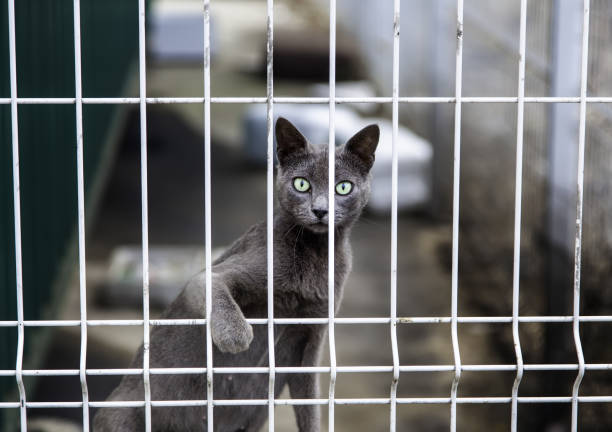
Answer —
301 279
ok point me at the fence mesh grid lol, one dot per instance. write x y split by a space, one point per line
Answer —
590 108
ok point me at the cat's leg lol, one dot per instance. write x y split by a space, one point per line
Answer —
122 419
306 386
230 331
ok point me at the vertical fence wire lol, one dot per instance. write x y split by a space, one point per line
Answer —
579 204
393 306
518 187
78 93
455 251
331 213
270 209
142 64
207 217
17 215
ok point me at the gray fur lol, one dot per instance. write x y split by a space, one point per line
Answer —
239 289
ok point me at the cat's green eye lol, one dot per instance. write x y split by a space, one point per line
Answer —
344 188
301 184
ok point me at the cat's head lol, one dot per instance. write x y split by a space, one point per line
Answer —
302 181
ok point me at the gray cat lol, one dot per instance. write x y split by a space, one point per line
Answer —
239 290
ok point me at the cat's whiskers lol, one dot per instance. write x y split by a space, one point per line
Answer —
297 237
289 230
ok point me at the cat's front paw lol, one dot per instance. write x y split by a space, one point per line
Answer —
232 336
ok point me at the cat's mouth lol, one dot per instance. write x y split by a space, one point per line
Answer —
318 227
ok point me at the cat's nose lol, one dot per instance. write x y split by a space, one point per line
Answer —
320 213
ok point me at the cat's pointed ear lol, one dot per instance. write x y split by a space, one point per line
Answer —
363 144
289 141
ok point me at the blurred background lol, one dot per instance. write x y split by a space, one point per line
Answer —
45 65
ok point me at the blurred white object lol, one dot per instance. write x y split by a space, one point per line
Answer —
52 424
311 119
414 162
170 268
177 31
350 89
414 153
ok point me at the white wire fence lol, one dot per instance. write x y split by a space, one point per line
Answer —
393 320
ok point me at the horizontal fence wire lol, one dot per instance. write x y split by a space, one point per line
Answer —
336 401
296 321
312 369
306 100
